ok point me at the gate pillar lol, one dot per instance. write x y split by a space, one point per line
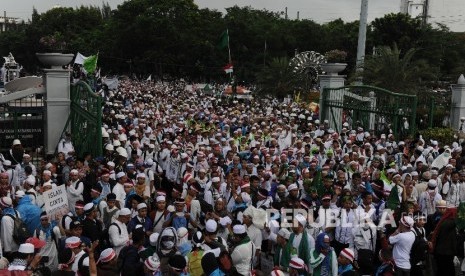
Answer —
57 82
334 116
458 102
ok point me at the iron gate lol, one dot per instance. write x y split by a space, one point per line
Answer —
372 108
85 120
24 119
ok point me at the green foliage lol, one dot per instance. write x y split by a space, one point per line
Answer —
336 56
276 79
395 72
445 136
178 39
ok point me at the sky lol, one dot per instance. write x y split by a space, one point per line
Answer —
449 12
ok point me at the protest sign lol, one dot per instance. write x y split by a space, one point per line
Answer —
56 202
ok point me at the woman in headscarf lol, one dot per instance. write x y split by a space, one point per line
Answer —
445 243
323 259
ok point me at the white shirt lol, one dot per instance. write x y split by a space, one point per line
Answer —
116 239
402 246
255 236
364 239
343 232
6 234
65 147
76 261
242 257
118 190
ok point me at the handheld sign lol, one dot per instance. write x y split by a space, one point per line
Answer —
56 202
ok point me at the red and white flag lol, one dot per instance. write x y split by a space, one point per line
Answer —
228 68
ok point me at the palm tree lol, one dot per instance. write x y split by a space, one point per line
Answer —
276 79
390 70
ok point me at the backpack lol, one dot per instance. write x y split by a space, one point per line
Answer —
63 220
20 233
419 249
195 263
105 240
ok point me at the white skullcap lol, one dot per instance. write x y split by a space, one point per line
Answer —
26 248
407 221
153 262
283 232
154 239
106 255
211 226
120 174
141 206
141 175
216 179
47 172
297 263
348 253
292 187
31 180
277 272
301 219
239 229
124 212
111 164
6 202
224 221
19 194
72 242
432 183
161 198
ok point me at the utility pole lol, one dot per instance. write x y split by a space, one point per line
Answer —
362 35
298 15
425 12
285 13
4 22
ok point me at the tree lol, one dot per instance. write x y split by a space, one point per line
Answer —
277 78
398 28
399 73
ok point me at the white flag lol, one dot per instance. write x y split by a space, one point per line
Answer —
79 58
149 78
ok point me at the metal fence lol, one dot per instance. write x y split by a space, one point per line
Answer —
372 108
24 119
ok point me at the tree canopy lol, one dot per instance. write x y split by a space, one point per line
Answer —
176 38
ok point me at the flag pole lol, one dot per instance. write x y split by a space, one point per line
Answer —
229 49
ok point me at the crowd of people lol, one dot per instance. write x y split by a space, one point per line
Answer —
194 185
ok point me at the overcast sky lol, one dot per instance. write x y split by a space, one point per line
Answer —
449 12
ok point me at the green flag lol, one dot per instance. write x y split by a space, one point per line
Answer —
90 63
224 40
393 201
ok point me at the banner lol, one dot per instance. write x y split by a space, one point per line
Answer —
56 202
111 83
